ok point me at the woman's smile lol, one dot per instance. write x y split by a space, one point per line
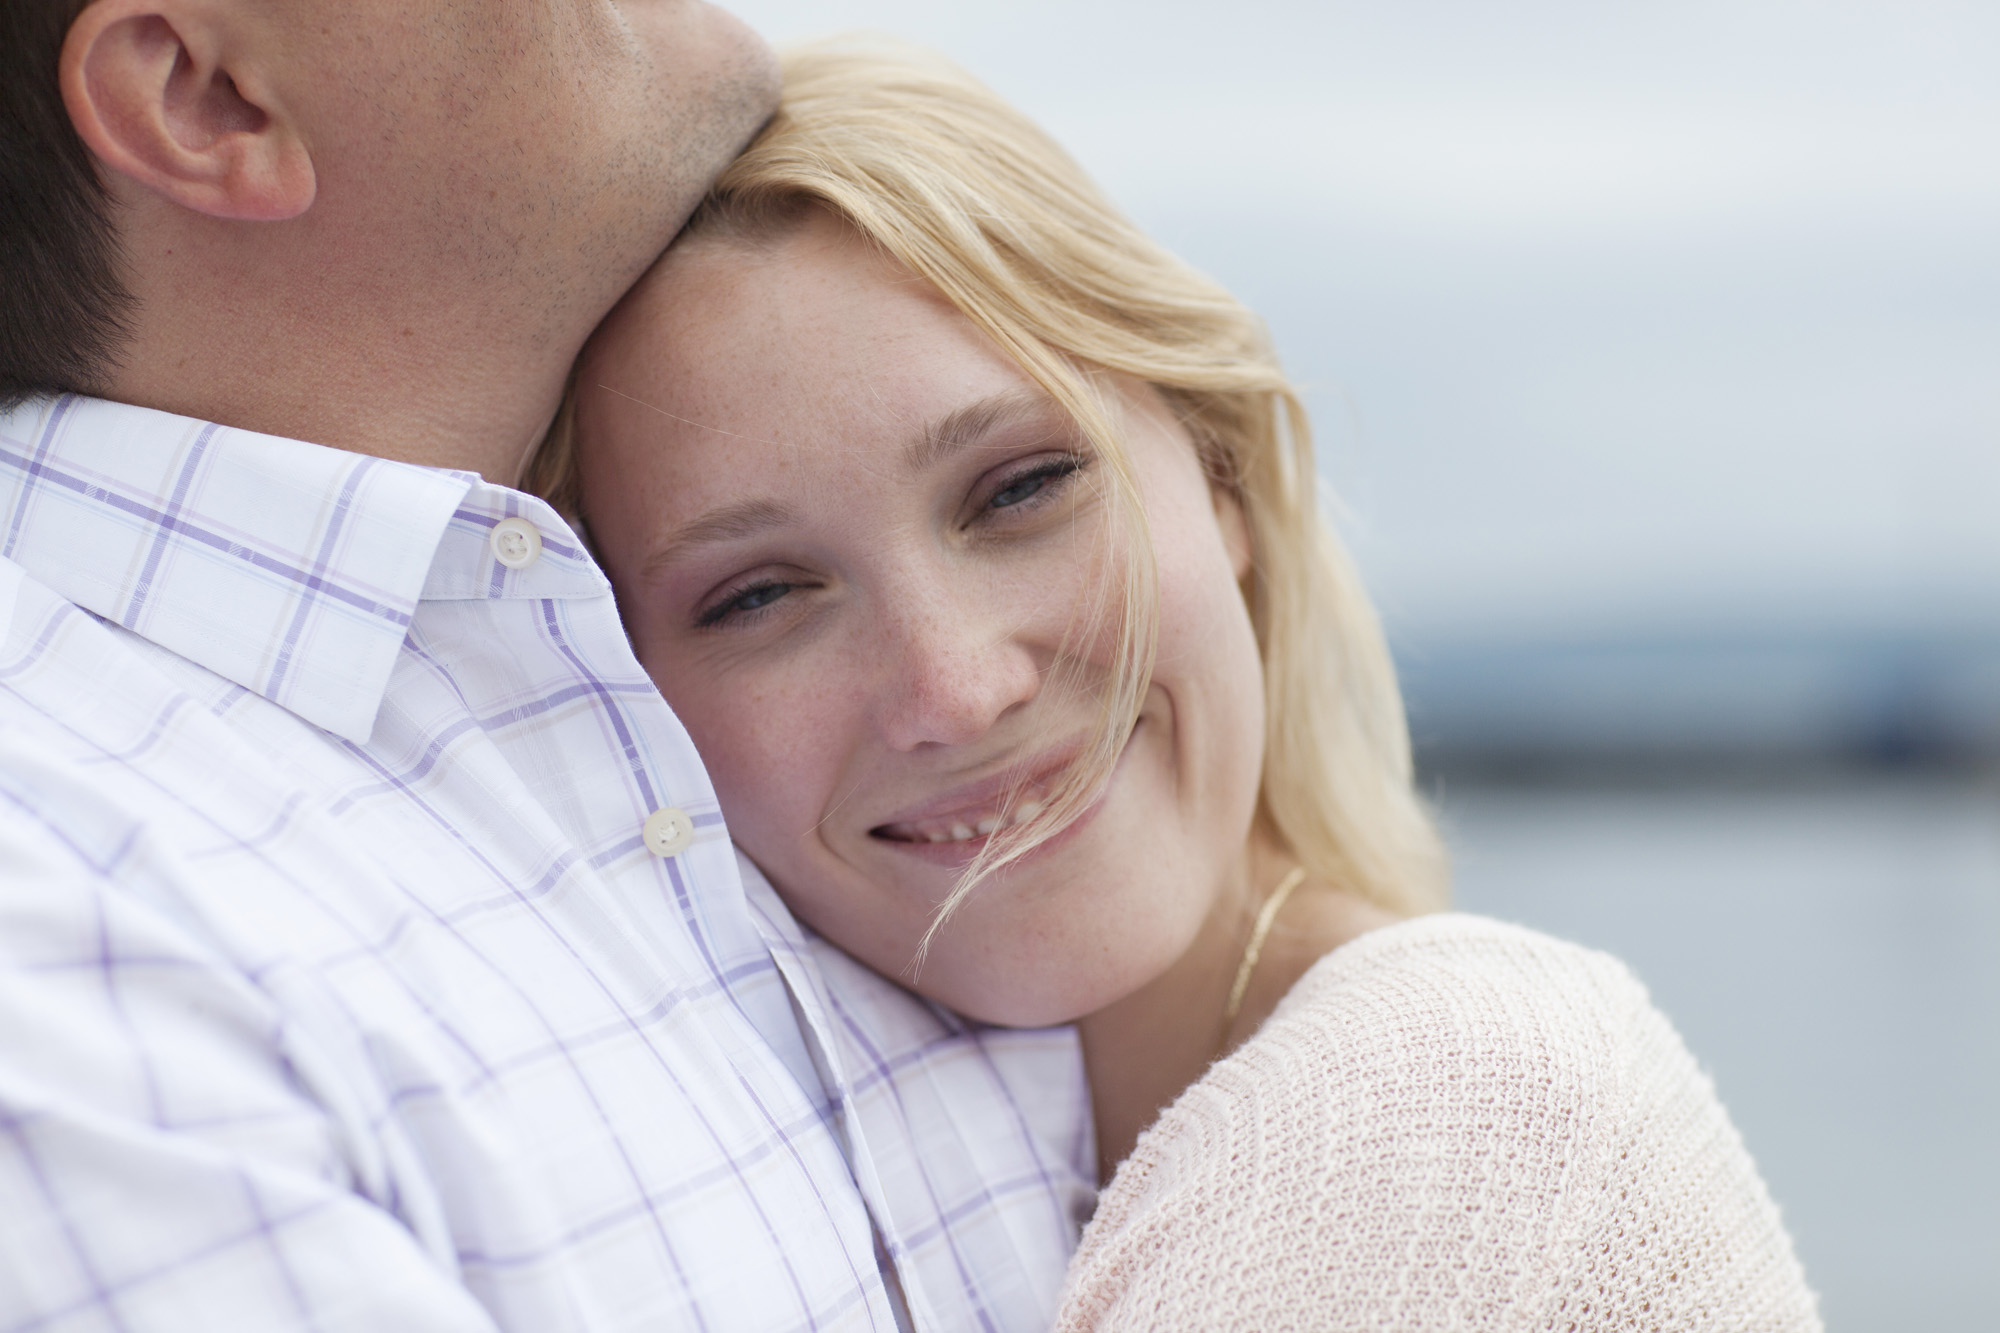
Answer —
968 813
952 829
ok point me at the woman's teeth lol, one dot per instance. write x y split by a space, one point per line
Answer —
958 830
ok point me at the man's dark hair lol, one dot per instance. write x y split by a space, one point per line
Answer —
63 302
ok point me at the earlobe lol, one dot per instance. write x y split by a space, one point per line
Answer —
151 95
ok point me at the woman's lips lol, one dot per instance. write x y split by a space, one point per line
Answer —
953 829
966 823
956 853
989 800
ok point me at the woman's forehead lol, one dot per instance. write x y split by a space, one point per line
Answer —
817 267
798 343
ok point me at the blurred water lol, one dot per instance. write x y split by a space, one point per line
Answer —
1827 946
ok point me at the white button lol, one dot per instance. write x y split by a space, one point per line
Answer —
668 831
516 543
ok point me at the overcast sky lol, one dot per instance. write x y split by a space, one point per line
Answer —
1617 319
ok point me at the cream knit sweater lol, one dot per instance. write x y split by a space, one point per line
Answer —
1449 1123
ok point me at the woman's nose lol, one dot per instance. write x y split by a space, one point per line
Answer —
955 673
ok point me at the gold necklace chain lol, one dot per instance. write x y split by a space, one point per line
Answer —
1265 916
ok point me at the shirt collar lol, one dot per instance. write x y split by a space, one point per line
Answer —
291 569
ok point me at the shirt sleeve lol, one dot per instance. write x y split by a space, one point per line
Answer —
164 1162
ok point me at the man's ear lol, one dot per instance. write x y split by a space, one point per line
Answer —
157 92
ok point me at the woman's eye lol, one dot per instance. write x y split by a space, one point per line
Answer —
1029 484
754 598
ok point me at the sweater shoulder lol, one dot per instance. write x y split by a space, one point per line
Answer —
1453 950
1511 987
1450 1122
1468 1034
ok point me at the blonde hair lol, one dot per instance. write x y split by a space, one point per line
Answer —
968 194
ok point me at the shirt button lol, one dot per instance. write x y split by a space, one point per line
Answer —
516 543
668 831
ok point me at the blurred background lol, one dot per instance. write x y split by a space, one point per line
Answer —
1655 357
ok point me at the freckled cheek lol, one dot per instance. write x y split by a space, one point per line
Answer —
1209 662
1068 596
773 749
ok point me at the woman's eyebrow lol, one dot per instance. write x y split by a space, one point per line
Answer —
951 432
731 522
966 425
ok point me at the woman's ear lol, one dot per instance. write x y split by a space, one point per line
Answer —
1235 527
163 93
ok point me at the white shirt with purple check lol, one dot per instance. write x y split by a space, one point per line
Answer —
339 988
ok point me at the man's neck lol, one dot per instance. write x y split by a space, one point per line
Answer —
393 401
398 365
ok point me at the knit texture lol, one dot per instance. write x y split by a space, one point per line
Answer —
1450 1123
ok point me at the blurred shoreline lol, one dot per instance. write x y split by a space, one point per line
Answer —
1693 701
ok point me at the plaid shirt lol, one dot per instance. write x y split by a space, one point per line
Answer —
352 978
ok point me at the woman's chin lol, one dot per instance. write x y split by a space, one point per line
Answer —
1034 997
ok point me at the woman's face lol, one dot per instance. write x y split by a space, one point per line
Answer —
849 539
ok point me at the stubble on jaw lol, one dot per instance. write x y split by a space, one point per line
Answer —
551 151
712 119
